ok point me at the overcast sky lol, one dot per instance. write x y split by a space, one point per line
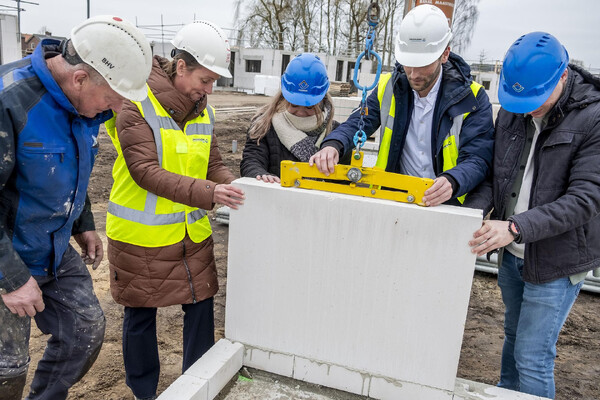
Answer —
576 23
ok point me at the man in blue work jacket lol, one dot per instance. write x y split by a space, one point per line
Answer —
435 121
52 105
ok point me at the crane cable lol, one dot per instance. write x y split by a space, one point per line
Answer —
360 136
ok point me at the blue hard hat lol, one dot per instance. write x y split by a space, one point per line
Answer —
531 70
305 81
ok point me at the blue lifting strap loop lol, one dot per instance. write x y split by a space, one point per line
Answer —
360 136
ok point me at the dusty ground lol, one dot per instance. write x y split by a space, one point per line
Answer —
577 368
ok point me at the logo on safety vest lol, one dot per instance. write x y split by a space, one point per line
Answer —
517 87
303 86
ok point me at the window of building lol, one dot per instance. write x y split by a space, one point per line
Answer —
285 60
339 70
252 65
486 85
350 72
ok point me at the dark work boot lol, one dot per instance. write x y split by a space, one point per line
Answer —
11 388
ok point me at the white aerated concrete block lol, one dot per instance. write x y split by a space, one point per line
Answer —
218 365
469 390
266 84
186 388
386 389
344 106
369 285
277 363
331 376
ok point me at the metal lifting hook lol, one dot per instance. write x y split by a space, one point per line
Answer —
373 14
372 20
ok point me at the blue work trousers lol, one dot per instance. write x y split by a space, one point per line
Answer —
534 316
75 321
140 347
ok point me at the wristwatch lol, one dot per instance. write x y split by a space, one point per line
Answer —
514 230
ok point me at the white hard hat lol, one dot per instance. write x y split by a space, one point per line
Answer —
207 43
423 36
118 51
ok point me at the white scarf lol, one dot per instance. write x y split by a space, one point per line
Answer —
301 135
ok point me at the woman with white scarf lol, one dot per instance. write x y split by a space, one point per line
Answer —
294 124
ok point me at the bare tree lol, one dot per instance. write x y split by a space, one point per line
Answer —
357 17
306 11
237 20
482 57
268 20
466 13
338 26
293 34
332 13
44 30
320 43
387 23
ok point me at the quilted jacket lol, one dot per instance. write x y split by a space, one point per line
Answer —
184 272
561 229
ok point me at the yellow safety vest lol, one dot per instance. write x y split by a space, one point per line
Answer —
387 106
139 217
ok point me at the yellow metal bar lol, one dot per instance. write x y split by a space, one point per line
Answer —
367 182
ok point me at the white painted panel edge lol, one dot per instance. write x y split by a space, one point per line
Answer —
218 365
186 388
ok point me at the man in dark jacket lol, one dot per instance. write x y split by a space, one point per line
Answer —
435 122
52 105
545 194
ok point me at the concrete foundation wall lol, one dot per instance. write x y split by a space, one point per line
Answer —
10 43
305 279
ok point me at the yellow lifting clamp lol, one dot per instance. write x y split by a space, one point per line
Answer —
364 181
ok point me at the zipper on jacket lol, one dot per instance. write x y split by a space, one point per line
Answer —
189 274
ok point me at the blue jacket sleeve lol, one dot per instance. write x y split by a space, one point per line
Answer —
13 271
85 222
344 133
481 197
475 148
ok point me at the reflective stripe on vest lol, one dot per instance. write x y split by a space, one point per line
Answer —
387 106
387 112
452 140
142 218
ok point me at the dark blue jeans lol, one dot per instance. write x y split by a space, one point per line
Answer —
140 347
74 320
534 316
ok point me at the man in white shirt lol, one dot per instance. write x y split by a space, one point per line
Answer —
435 121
